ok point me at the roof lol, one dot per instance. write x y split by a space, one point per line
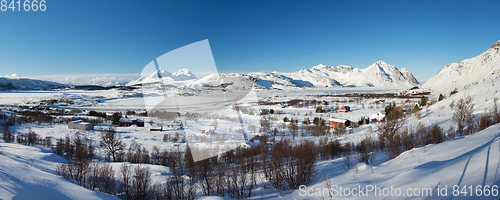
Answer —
79 122
338 120
173 123
130 120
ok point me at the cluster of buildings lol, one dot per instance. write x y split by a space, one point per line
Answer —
126 122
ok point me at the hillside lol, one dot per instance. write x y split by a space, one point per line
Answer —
29 173
467 72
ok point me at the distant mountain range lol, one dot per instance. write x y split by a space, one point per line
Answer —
470 71
379 74
28 84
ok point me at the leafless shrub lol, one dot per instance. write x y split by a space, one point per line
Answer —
436 134
495 113
484 121
463 113
8 137
451 133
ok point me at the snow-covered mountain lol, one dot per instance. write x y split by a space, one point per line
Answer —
379 74
27 84
164 76
470 71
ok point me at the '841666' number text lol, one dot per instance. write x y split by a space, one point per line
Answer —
27 5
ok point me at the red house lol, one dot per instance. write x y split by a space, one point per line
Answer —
130 122
345 109
336 122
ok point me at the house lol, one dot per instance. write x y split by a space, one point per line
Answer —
378 116
327 109
336 122
130 122
206 130
80 125
172 125
345 109
155 128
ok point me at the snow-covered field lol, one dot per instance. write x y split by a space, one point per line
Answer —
466 161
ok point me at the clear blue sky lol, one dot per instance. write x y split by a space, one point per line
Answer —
110 37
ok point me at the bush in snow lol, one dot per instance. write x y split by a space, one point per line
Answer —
463 113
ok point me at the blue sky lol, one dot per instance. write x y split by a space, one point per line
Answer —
100 37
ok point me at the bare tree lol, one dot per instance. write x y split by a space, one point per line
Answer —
293 127
126 181
141 182
463 113
389 131
112 142
496 114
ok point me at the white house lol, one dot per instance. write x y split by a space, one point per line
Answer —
378 116
80 125
172 125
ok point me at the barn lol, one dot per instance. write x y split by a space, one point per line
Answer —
130 122
336 122
80 125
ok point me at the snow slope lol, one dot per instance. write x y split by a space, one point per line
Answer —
473 160
29 173
470 71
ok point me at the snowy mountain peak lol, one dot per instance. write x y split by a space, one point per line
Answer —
320 67
160 73
379 74
380 63
183 74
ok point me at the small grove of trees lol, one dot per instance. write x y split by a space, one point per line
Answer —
289 165
115 118
364 120
97 114
129 184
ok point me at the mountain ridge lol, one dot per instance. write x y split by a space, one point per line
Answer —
460 75
379 74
